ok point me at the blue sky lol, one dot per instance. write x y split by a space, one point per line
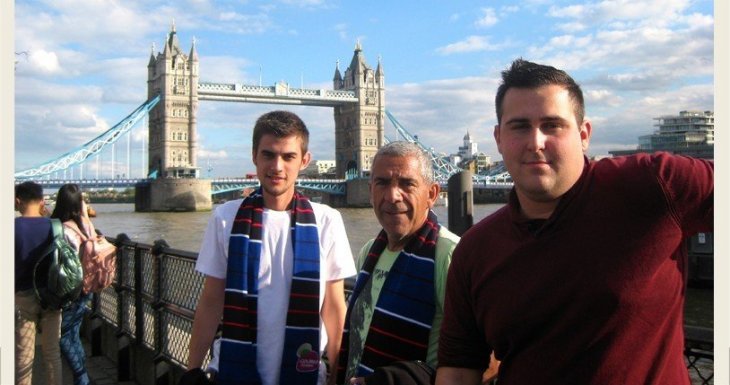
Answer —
84 66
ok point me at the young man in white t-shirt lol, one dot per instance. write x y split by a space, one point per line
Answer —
280 142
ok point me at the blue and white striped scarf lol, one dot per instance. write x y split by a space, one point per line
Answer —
300 359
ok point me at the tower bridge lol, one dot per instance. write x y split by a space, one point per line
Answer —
280 93
174 91
357 99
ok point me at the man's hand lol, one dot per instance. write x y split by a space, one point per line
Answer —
357 381
194 377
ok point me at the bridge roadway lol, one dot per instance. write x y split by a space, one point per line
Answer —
219 185
223 185
280 93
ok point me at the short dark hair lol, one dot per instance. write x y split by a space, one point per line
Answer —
281 124
29 192
525 74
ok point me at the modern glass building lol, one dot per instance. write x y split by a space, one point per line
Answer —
690 133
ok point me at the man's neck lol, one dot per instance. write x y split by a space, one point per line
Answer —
532 209
31 214
277 202
398 245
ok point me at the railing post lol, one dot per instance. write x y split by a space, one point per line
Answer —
138 304
161 370
124 358
124 351
163 374
96 336
461 202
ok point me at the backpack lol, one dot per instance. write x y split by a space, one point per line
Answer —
98 259
58 275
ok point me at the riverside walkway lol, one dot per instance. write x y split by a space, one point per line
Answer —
102 370
139 328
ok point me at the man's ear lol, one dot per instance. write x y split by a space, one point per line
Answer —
497 137
305 160
433 194
586 129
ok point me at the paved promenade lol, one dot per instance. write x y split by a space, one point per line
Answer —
102 370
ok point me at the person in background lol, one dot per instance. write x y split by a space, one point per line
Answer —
33 235
580 278
72 211
274 265
90 212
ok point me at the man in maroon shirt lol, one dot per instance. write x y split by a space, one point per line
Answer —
579 279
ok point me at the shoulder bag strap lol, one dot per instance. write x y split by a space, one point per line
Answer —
57 230
72 225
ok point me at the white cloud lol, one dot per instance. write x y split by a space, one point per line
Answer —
505 9
212 155
44 62
572 27
234 68
487 19
470 44
341 30
45 133
245 24
569 41
647 12
305 3
440 112
636 56
601 96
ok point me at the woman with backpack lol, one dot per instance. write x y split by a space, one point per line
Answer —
71 210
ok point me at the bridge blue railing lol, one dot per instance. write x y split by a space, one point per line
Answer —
330 186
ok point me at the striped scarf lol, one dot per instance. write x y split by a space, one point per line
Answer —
300 359
403 315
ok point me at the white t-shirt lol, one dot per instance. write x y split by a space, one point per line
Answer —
275 273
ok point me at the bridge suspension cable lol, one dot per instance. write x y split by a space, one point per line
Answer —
92 147
441 168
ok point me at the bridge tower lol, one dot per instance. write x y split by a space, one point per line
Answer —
172 123
359 126
173 144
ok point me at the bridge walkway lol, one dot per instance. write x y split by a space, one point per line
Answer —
102 370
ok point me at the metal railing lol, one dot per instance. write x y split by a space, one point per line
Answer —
153 299
698 353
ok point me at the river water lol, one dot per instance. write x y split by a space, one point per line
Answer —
185 230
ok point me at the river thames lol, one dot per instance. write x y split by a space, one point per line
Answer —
184 231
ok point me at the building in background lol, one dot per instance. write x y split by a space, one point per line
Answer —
469 149
690 133
469 158
320 169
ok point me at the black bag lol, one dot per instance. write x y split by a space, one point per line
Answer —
403 373
58 276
